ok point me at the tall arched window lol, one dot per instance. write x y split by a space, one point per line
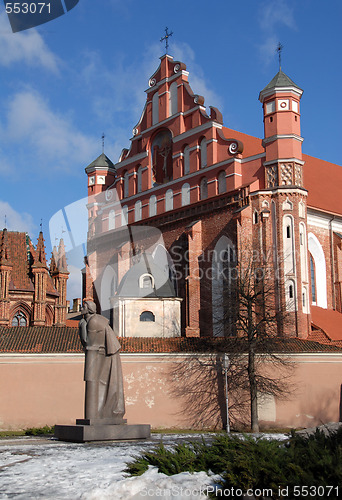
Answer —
186 160
137 210
313 279
222 183
155 108
111 220
288 239
126 184
303 252
173 101
124 215
203 147
19 319
223 283
320 271
204 189
169 200
185 194
291 295
139 179
153 206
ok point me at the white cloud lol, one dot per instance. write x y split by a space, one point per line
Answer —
268 49
272 15
50 136
121 88
275 12
14 220
184 53
74 283
25 47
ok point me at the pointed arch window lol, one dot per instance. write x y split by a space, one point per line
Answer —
313 279
19 319
318 272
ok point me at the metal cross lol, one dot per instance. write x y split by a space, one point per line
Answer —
166 38
279 49
41 225
103 138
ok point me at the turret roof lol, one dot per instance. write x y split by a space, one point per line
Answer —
102 161
280 81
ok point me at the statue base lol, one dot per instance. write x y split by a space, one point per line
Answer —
101 430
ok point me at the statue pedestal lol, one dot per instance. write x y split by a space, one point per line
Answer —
101 430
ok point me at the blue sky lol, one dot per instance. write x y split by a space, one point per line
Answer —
65 83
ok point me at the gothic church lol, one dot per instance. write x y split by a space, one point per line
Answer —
212 192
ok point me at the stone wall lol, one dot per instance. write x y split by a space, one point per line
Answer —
164 390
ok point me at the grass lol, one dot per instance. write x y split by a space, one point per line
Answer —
47 430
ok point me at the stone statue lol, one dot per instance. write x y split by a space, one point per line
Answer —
104 396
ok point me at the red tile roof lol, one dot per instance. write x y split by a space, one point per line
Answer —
327 320
30 340
251 145
323 181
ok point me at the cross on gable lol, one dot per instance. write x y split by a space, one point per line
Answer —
166 38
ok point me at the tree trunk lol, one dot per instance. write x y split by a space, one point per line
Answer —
253 391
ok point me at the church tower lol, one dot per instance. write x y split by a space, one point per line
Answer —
59 273
40 276
5 278
283 169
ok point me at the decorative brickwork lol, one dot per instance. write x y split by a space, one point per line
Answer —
208 188
29 293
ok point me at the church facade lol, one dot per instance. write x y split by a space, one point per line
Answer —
31 293
201 200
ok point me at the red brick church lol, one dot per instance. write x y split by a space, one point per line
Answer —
31 292
212 193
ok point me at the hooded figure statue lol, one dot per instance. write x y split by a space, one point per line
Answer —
104 396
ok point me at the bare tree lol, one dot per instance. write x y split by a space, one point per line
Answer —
255 316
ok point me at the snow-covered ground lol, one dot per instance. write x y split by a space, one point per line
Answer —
40 469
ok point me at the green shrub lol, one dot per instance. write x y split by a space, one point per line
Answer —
248 463
38 431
